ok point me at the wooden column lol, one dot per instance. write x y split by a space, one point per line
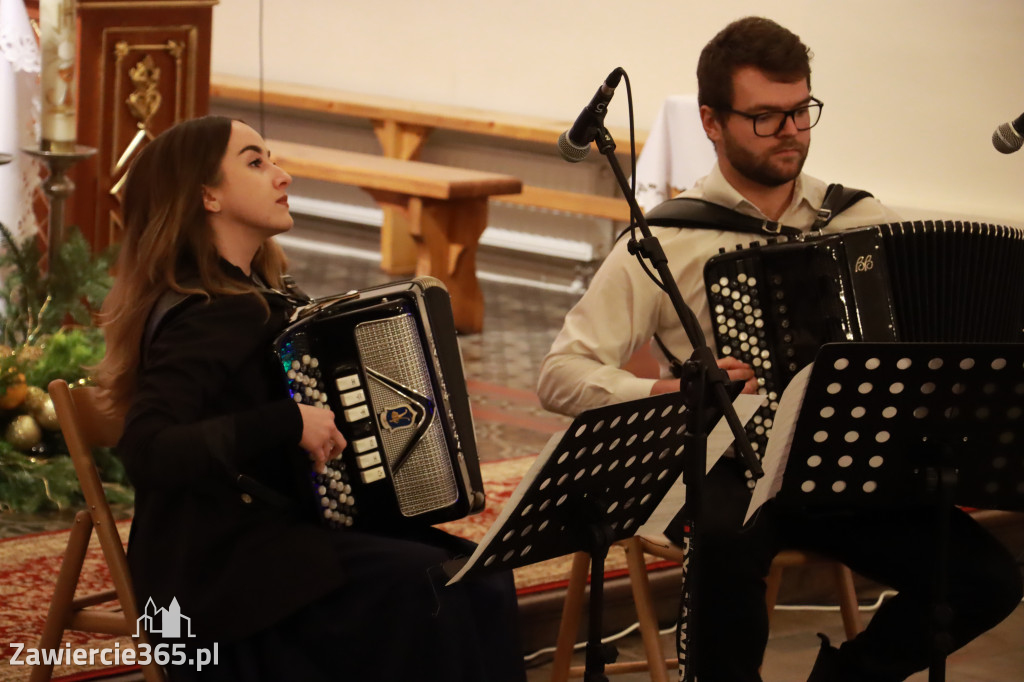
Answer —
143 65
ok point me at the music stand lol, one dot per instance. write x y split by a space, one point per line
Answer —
599 484
887 424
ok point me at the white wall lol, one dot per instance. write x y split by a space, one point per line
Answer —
913 88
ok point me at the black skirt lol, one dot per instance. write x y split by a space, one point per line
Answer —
392 618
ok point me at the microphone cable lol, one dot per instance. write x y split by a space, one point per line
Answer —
633 243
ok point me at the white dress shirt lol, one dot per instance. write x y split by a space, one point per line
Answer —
623 308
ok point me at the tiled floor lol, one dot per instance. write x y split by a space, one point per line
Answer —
501 368
792 646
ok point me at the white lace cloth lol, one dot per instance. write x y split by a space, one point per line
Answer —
676 154
19 116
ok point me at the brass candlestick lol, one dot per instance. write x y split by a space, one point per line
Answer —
58 187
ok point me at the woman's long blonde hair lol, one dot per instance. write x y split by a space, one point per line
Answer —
166 233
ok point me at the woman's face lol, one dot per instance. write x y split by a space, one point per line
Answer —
251 193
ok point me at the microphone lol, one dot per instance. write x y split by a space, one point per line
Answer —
1008 137
574 143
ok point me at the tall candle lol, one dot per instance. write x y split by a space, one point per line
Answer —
57 42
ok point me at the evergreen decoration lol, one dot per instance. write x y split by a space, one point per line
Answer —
46 326
38 303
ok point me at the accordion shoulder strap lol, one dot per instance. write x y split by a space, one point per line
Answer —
170 300
837 199
687 212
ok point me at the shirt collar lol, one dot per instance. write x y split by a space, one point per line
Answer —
717 189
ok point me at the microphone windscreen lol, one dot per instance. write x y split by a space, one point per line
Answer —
1006 139
571 152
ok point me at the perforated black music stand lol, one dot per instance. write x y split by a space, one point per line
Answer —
598 485
887 424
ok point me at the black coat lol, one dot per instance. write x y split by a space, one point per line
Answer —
283 596
211 405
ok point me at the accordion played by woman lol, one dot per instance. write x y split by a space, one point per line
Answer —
773 306
386 361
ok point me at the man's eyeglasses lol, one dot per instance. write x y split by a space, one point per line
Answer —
771 123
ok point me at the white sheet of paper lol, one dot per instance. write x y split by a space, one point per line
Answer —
780 441
511 503
719 441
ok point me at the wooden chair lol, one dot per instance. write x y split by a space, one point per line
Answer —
86 425
656 663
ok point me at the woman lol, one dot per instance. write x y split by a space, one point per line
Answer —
219 455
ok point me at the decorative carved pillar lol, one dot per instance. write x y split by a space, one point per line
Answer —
143 65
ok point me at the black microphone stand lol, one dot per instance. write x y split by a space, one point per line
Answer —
702 382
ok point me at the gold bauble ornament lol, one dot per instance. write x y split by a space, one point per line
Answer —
46 414
14 393
35 398
23 433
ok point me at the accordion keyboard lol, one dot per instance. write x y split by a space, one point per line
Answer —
334 494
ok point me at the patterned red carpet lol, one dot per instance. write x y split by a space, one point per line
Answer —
28 571
29 566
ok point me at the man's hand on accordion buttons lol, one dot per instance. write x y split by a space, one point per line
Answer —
736 369
320 436
739 371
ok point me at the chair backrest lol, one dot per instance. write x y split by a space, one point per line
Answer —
87 421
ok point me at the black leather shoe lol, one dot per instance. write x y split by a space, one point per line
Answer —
826 666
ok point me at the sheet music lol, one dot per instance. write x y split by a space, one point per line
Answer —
719 441
511 503
780 441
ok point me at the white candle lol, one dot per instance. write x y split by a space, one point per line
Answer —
57 32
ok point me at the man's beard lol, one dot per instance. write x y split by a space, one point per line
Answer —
761 169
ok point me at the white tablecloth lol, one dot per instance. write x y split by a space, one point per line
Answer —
677 152
19 106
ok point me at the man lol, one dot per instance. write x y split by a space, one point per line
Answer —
756 108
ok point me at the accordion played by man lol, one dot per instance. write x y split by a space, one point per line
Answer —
773 306
386 361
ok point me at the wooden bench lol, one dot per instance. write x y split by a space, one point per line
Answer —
402 128
445 209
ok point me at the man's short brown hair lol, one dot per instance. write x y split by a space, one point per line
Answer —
753 41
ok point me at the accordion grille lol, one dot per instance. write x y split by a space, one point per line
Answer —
391 348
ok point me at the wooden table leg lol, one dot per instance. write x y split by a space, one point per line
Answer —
397 246
447 234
